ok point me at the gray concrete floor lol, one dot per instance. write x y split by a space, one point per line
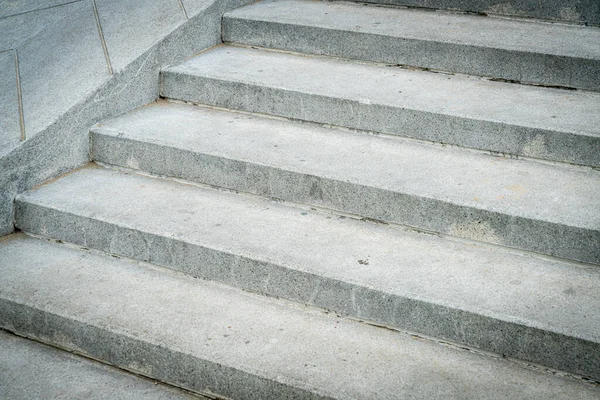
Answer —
31 370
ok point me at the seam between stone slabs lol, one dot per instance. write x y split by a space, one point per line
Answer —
40 9
19 97
185 14
19 91
101 34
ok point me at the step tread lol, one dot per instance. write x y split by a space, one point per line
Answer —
550 295
461 96
252 335
31 370
580 11
501 33
569 196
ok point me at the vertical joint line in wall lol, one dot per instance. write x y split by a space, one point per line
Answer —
20 97
222 24
183 9
104 48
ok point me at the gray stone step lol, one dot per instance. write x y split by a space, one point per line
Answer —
517 119
215 339
517 305
524 51
523 204
578 11
31 370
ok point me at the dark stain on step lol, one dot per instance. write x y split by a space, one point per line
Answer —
569 291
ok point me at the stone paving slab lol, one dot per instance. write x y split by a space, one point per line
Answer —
212 338
148 22
16 29
517 203
31 370
538 122
541 53
55 78
488 297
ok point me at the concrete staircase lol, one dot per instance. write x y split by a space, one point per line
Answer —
337 174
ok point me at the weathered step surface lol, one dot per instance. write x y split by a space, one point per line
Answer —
30 370
521 306
533 121
524 204
525 51
579 11
215 339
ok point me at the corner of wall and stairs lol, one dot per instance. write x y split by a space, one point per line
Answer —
335 200
72 63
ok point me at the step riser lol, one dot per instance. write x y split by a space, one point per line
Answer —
423 213
152 360
586 11
519 341
480 134
544 69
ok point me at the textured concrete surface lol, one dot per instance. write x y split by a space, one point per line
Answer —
528 205
148 22
537 122
17 29
17 7
66 81
30 370
193 7
550 54
10 128
54 77
490 298
579 11
238 344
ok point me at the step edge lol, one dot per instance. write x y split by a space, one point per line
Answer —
237 15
